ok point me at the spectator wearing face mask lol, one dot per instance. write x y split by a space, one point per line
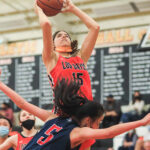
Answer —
19 141
137 102
5 128
112 112
135 110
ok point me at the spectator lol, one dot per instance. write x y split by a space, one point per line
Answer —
129 141
19 141
147 142
7 111
138 103
135 110
112 112
5 128
143 143
137 94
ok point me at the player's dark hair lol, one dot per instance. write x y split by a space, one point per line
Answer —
74 43
2 117
70 102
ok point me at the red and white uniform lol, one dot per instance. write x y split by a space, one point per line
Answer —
72 68
87 144
22 141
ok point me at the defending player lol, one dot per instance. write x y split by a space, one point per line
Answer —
78 121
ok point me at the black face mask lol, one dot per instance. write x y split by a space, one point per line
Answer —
137 97
28 124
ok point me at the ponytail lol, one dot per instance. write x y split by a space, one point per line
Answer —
67 99
70 102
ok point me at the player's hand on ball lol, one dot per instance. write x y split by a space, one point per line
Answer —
67 6
37 8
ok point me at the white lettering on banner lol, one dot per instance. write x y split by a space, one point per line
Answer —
28 59
21 48
121 36
5 61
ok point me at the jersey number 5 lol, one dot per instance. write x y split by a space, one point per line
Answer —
78 77
48 133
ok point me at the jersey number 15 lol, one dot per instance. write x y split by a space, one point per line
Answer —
78 77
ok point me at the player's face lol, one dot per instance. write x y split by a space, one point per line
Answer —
25 116
88 122
62 39
4 122
96 123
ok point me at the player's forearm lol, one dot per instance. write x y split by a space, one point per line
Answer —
121 128
18 100
3 147
88 21
43 19
114 130
23 104
47 36
6 145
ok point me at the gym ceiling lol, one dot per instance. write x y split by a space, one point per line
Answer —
19 22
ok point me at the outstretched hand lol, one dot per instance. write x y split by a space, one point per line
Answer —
67 6
146 119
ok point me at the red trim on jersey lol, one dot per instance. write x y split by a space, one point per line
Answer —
22 141
87 144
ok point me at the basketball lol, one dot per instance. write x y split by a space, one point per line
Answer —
50 7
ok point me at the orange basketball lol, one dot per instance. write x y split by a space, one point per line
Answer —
50 7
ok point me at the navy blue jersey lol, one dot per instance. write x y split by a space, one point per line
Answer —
54 135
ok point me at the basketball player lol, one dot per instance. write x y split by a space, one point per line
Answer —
42 114
61 55
19 141
77 117
64 133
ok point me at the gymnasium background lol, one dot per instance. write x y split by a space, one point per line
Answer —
116 66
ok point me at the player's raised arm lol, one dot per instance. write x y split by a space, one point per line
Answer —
114 130
48 48
23 104
93 30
